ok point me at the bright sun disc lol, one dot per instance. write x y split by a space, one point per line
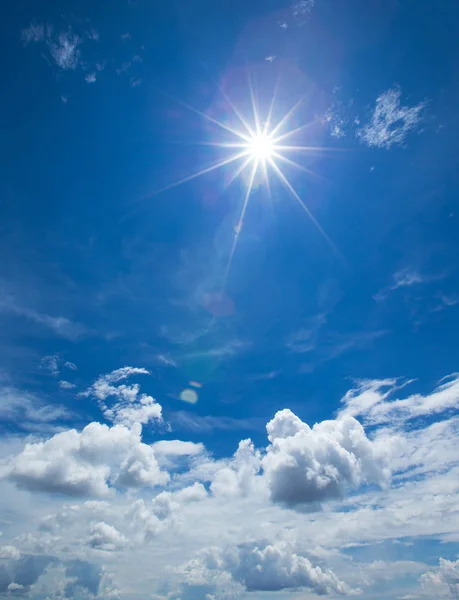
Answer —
261 147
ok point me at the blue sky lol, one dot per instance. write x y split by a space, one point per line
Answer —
222 386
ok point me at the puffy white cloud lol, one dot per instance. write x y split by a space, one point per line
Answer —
177 448
262 567
238 476
156 539
443 581
275 567
66 385
7 552
306 465
166 503
106 537
391 122
129 406
87 462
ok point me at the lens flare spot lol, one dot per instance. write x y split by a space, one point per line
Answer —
196 384
189 396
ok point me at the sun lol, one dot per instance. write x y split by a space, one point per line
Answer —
261 147
258 147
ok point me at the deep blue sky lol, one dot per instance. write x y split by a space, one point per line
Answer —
100 112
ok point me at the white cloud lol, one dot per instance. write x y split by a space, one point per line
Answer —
391 122
61 326
171 453
15 587
8 552
438 582
70 365
258 567
36 32
307 466
90 78
302 7
371 400
66 385
407 277
238 476
28 411
50 364
129 406
211 530
275 567
106 537
65 50
87 463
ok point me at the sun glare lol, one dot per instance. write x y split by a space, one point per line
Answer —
261 147
257 148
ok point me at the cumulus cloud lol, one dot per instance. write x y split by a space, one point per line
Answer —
129 406
66 385
443 581
154 541
70 365
391 122
87 463
275 567
170 453
306 465
166 503
262 567
105 537
9 552
238 476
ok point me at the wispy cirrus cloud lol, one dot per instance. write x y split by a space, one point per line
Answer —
29 412
35 32
50 364
60 326
188 421
406 278
391 122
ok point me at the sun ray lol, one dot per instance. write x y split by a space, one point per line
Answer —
254 108
271 107
294 164
237 113
309 149
238 172
262 147
240 222
294 193
292 132
209 118
287 116
218 165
